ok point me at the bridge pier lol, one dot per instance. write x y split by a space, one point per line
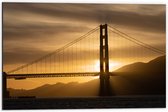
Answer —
5 92
104 62
105 89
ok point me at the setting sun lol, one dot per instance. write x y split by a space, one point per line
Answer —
97 66
113 65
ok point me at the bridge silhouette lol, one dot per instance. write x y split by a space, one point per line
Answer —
77 58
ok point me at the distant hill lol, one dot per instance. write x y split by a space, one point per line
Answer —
134 79
142 78
61 89
155 65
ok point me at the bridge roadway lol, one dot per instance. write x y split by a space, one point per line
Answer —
44 75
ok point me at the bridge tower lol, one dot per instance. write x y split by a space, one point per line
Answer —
104 62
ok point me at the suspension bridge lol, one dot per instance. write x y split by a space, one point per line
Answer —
89 55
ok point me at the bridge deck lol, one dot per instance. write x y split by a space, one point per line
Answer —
42 75
45 75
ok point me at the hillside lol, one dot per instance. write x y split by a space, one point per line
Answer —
142 78
155 65
61 89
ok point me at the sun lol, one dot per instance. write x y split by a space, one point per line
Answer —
97 66
113 65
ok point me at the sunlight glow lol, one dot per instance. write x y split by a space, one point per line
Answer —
113 65
95 77
97 66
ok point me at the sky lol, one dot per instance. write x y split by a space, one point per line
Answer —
34 30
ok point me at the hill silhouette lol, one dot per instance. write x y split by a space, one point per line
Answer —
155 65
142 78
133 79
72 89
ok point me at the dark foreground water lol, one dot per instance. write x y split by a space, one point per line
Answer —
156 101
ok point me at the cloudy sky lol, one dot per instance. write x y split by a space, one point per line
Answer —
33 30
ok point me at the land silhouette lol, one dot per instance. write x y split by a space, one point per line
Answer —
133 79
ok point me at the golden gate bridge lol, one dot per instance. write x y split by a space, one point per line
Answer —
78 57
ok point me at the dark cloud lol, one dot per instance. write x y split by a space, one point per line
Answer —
26 22
38 31
95 13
